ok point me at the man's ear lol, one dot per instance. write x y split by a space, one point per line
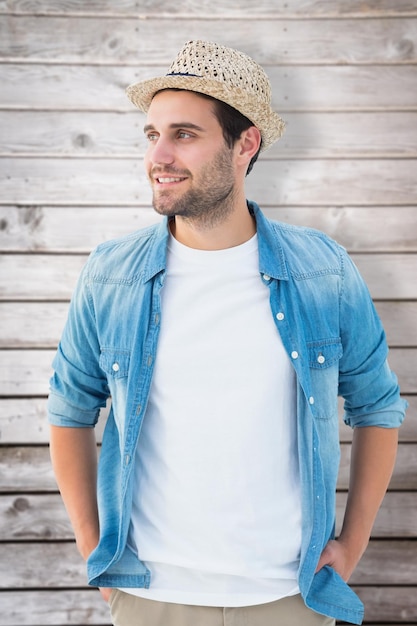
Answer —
248 143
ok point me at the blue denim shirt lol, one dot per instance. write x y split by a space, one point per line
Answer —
333 336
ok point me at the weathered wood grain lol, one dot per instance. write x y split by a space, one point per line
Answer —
23 421
397 518
350 104
58 565
355 227
46 565
398 273
80 229
400 322
348 134
388 605
114 182
309 134
28 469
27 372
51 277
407 432
227 8
60 181
334 182
272 41
49 608
40 517
405 473
39 324
71 229
298 88
54 133
31 324
29 517
45 277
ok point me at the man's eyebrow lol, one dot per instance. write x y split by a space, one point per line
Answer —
176 125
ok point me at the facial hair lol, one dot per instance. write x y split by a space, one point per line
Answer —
209 201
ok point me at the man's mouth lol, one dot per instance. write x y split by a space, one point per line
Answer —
164 180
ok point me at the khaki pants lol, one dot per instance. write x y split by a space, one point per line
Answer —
129 610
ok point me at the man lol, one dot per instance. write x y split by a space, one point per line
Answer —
223 340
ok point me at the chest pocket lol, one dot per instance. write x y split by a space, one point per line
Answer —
324 357
323 354
115 363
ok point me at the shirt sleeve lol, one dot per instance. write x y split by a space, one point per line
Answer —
367 384
78 387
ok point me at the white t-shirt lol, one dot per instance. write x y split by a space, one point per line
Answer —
216 510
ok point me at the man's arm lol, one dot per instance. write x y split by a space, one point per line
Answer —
74 460
372 462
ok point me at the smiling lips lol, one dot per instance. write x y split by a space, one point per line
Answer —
168 175
164 180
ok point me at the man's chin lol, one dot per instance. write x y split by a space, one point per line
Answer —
163 205
169 208
161 209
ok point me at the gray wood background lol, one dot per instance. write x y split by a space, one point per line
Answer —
344 78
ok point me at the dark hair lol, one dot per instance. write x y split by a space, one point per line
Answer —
232 122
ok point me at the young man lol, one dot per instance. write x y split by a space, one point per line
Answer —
223 340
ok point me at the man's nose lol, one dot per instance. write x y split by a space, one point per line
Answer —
162 152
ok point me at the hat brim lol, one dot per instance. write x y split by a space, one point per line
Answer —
263 117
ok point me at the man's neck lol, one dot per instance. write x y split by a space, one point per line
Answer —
239 226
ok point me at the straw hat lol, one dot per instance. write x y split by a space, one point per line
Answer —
224 74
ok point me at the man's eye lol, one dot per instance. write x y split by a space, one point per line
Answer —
151 136
182 134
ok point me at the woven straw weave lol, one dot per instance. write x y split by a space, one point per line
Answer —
223 73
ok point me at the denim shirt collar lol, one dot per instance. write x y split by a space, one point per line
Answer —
156 261
271 255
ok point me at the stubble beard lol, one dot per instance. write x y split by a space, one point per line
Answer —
207 204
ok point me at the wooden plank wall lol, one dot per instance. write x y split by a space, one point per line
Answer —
344 78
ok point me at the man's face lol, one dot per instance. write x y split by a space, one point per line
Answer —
188 163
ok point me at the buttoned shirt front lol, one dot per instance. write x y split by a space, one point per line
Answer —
329 328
